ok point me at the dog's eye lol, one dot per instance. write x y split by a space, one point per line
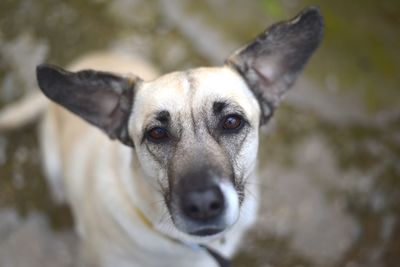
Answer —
157 134
232 122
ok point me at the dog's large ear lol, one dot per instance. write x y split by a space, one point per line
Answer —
272 61
101 98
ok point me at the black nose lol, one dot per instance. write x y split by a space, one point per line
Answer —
204 204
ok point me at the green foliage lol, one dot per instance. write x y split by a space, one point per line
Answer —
273 8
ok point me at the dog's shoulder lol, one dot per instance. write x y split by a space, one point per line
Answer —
116 62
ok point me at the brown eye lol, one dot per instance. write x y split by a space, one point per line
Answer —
232 122
157 134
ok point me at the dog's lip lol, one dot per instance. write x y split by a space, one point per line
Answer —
207 231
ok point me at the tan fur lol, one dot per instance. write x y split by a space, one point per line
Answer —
23 111
103 181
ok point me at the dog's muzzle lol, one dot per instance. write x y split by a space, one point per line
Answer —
203 203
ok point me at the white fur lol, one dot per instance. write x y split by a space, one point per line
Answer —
232 201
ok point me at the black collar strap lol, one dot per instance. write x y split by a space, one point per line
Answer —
222 261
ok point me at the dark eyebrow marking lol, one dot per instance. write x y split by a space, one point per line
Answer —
163 116
219 106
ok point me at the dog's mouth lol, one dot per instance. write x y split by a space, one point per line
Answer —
207 231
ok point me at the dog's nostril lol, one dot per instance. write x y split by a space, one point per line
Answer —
193 209
215 205
203 204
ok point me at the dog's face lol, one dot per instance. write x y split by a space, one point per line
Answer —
195 132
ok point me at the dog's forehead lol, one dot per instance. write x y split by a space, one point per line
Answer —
220 84
196 89
167 90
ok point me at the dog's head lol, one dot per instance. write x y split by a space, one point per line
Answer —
195 132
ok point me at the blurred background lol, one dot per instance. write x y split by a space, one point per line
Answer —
329 166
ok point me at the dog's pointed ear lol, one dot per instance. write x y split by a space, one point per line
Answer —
101 98
272 61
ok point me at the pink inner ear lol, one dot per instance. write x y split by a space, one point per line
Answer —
266 69
106 102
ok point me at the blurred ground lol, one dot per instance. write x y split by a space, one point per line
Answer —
330 165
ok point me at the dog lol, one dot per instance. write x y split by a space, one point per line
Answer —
161 170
